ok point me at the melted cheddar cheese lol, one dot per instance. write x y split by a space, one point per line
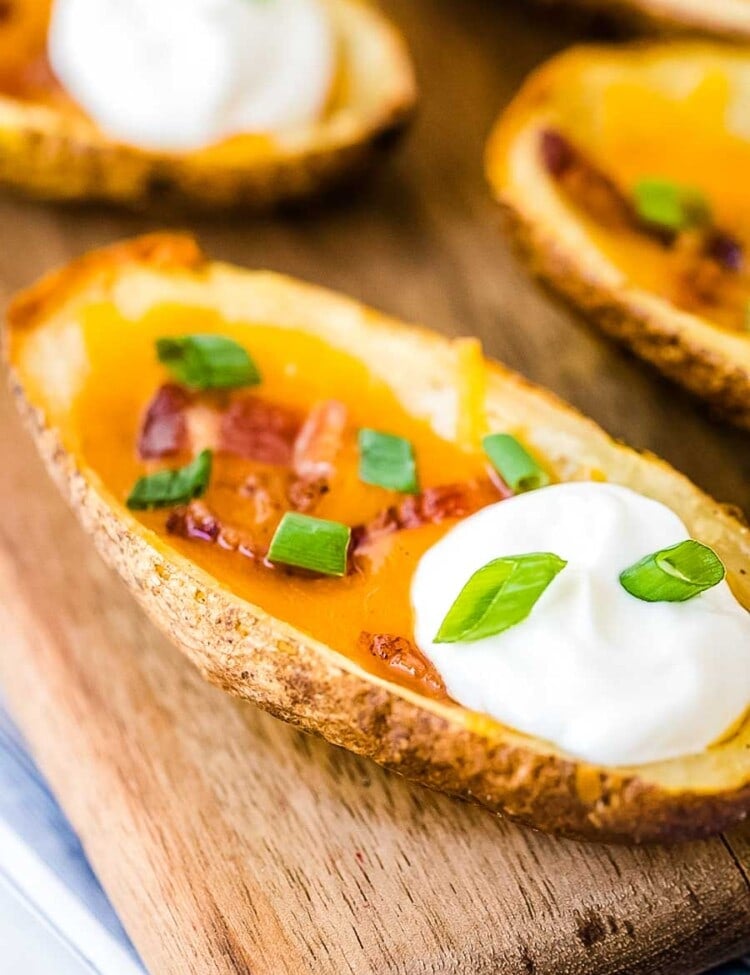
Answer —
297 371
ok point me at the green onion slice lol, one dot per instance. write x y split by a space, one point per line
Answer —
515 465
207 362
670 206
674 574
387 461
311 543
499 595
167 488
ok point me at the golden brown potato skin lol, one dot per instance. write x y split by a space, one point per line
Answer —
263 660
723 384
698 362
720 18
51 151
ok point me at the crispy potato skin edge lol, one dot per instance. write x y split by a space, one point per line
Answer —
644 16
700 370
255 657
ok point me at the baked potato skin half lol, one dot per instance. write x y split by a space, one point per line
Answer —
728 19
684 347
52 152
263 660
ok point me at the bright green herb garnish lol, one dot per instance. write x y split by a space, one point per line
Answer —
168 488
207 362
513 463
674 574
387 461
498 596
311 543
670 206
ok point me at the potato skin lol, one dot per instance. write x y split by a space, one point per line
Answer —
53 154
710 376
265 661
697 364
645 15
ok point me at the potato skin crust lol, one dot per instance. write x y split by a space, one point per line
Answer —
265 661
645 15
703 372
652 333
48 154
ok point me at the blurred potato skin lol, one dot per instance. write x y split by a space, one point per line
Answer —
707 360
721 18
50 150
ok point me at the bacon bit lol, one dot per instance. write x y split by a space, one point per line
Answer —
699 278
558 155
273 492
248 427
404 658
265 495
258 431
305 495
431 507
725 249
319 441
602 199
196 521
163 430
203 424
595 192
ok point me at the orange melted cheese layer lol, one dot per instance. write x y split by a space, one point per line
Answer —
298 370
632 131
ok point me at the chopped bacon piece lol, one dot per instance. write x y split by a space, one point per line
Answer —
203 425
319 441
592 189
163 430
304 495
269 492
258 431
404 658
725 249
558 154
432 506
603 200
196 521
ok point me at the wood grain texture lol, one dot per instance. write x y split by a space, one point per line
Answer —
231 843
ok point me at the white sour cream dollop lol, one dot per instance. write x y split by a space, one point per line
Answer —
183 74
602 675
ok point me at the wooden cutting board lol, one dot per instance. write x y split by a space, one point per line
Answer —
231 843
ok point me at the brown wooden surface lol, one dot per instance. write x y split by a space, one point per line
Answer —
232 844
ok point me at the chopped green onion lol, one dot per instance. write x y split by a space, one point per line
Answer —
167 488
517 468
670 206
387 461
311 543
207 362
674 574
499 595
